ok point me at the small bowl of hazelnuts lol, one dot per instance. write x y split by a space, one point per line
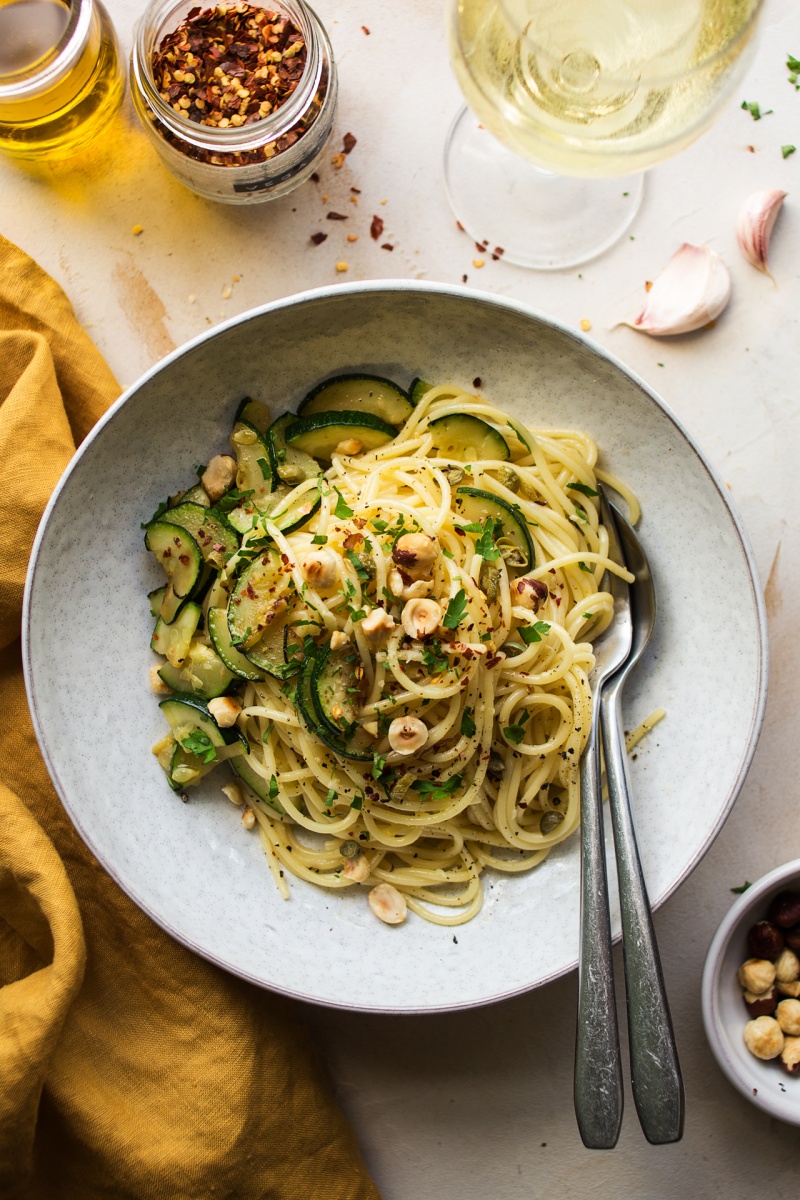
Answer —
751 993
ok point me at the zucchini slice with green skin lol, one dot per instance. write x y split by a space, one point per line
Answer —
217 543
155 599
257 600
255 413
321 433
185 769
465 438
271 653
195 495
359 393
178 553
336 690
288 463
291 516
234 660
254 473
256 783
417 390
187 713
203 673
305 703
173 641
475 505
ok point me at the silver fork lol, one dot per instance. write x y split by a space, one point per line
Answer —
598 1069
655 1070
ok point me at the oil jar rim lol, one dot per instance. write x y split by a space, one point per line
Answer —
44 74
245 137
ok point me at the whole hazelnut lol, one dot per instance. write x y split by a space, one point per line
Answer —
793 938
790 989
763 1037
763 1005
757 975
787 967
765 940
787 1014
785 909
790 1055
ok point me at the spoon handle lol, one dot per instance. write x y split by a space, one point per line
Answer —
598 1070
655 1070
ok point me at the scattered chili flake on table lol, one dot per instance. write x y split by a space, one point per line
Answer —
336 216
365 30
318 238
387 246
231 66
348 142
376 228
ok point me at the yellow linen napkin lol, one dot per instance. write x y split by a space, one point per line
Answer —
129 1068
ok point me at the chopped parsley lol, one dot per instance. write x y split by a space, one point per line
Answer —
342 509
584 567
447 553
581 515
485 544
737 891
754 109
329 799
378 763
533 633
437 791
588 616
793 67
264 465
357 801
433 659
241 641
584 488
273 788
356 614
232 499
456 610
200 745
267 731
378 525
319 539
360 569
514 733
467 724
787 150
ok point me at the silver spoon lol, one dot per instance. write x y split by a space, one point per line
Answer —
598 1069
655 1070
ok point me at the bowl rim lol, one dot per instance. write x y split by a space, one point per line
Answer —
712 983
458 293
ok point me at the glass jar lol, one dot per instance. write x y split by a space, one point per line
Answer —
244 164
57 99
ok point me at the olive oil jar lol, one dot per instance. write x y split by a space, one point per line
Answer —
61 77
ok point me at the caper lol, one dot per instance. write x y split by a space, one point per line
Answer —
350 849
513 649
550 821
366 562
512 555
509 478
453 475
496 766
489 581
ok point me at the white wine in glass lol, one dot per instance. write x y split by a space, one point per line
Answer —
588 89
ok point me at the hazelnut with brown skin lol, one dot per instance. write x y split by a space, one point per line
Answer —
763 1037
415 553
785 910
790 1055
757 975
765 940
792 937
763 1005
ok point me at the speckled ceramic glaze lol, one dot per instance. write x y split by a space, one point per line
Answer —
765 1084
192 867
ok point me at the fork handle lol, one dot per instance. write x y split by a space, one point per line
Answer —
655 1070
598 1070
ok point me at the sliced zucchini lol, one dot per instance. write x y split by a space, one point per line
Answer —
173 641
321 433
256 783
195 495
359 393
272 652
155 598
188 714
254 473
257 600
336 688
475 505
217 543
255 413
178 553
203 673
467 439
417 390
288 463
524 435
356 747
292 515
234 660
186 769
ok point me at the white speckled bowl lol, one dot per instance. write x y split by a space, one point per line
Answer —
192 867
765 1084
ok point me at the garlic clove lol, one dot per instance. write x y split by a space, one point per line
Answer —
754 225
692 290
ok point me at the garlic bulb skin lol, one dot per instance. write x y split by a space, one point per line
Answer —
754 225
692 290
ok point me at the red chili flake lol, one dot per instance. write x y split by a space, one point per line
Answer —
499 251
476 381
387 246
334 216
284 558
318 238
365 30
184 558
463 279
218 546
314 177
167 553
177 541
558 601
348 142
460 226
356 190
376 228
552 569
250 592
752 149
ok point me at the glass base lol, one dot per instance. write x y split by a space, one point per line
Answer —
531 217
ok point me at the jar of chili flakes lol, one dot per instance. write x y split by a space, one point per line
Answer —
238 99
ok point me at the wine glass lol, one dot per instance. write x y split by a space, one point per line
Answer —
599 89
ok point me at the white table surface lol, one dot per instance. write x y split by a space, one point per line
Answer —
479 1104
